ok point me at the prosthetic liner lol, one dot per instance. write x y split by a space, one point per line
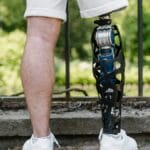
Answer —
108 70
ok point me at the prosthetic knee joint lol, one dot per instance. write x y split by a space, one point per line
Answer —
108 70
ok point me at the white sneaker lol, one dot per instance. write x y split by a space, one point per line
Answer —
117 142
46 143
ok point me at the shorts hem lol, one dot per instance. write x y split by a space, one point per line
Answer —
107 8
42 12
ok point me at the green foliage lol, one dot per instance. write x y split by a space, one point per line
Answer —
10 53
11 17
131 31
80 72
12 43
80 35
11 14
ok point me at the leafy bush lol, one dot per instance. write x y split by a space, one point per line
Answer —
131 31
12 43
11 50
80 72
11 14
11 17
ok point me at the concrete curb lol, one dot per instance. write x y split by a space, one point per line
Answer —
80 122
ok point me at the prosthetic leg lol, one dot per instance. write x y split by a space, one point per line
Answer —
108 70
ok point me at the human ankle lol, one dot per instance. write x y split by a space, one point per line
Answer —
41 134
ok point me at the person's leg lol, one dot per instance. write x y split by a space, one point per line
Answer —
105 54
37 70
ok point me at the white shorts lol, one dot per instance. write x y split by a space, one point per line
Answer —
57 8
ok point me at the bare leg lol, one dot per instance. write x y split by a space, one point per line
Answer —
37 70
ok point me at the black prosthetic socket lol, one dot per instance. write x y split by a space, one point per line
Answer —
108 70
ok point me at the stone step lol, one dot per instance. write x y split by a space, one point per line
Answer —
79 122
75 124
76 129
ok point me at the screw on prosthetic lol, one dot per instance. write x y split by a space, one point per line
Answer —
108 70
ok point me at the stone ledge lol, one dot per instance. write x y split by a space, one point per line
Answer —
19 102
80 122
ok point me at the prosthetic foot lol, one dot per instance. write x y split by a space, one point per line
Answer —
108 70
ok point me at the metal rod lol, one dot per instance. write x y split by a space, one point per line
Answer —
140 48
67 53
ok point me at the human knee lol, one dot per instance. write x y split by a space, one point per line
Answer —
43 28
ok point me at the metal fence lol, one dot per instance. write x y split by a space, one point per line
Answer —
13 101
68 52
140 49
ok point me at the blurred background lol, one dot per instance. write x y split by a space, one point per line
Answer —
13 35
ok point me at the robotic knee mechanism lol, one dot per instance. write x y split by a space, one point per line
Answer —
108 70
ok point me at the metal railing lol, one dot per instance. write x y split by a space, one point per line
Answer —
140 49
16 102
67 53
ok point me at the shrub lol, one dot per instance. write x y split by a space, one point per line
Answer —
11 49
